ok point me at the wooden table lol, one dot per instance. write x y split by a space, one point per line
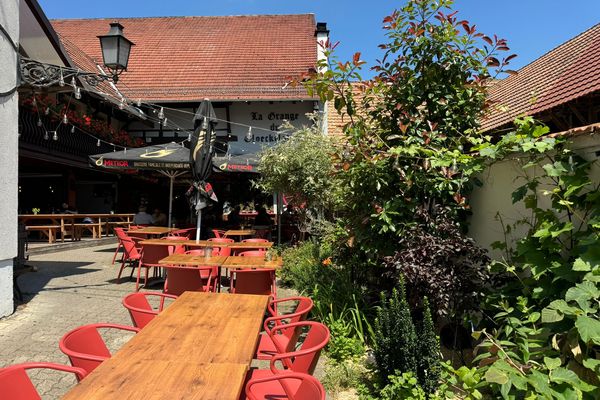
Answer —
154 230
234 262
188 259
200 347
206 243
239 232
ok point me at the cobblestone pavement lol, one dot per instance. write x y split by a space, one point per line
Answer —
69 289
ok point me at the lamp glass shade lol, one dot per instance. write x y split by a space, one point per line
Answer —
115 48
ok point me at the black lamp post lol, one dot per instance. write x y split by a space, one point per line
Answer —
115 50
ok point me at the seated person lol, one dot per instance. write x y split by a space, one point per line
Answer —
262 218
142 217
66 209
159 217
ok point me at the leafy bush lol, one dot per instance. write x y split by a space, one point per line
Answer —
428 353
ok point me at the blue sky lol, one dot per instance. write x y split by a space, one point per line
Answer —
532 27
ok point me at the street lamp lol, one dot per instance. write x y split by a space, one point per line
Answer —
115 50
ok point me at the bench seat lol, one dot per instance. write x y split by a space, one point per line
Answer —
48 230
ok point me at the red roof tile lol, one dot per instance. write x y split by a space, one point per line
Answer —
190 58
570 71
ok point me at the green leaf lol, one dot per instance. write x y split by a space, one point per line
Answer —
519 193
589 329
563 375
580 265
582 293
592 364
494 375
552 363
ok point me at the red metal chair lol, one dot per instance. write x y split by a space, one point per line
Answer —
140 310
131 255
187 279
203 272
85 347
223 251
16 385
292 386
119 233
218 233
255 240
253 253
302 360
286 340
178 249
150 256
253 281
187 233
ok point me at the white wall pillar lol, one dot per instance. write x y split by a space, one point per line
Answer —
9 19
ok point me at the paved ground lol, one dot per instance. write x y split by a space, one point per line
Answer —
70 288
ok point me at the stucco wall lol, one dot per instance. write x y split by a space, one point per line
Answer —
495 196
9 18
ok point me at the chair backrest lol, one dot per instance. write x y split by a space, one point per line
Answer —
218 233
184 233
153 253
188 279
140 310
303 307
253 281
131 250
295 385
178 249
255 240
221 240
85 347
305 358
253 253
16 385
196 252
120 232
222 251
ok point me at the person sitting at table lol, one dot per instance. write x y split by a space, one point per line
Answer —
262 218
159 217
233 219
66 209
142 217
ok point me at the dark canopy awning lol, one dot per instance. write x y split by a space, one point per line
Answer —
171 156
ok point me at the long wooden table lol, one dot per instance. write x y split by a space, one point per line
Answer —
231 262
67 224
154 230
200 347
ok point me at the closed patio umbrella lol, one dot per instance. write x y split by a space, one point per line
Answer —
171 160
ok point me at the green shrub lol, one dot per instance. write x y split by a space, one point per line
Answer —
428 353
395 337
343 345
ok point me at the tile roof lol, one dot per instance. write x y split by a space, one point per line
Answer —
570 71
190 58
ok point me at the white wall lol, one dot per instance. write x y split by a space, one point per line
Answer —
495 196
9 18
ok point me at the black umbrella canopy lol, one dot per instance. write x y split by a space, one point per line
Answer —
171 156
202 141
239 163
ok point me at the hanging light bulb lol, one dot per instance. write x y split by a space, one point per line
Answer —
77 93
139 102
73 129
46 136
161 113
122 103
39 123
125 150
98 143
73 83
34 102
165 122
65 119
55 136
61 79
114 149
249 134
189 137
47 110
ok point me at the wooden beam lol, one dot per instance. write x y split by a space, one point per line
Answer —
578 114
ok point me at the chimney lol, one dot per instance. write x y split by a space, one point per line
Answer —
322 36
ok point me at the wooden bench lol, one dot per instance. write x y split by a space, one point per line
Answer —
90 227
48 230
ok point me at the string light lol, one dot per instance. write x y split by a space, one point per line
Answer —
55 136
73 83
46 136
98 143
39 122
47 110
122 103
65 119
61 79
34 102
249 134
73 129
78 93
165 122
161 113
139 102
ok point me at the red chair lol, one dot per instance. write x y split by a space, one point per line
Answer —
85 347
253 281
253 253
218 233
16 385
302 360
119 233
287 339
140 310
185 233
223 251
255 240
150 256
131 255
292 386
178 249
214 270
187 279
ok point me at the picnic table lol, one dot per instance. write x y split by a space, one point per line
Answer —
231 262
52 225
207 243
154 230
200 347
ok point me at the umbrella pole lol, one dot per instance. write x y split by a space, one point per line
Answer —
171 199
198 225
279 206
